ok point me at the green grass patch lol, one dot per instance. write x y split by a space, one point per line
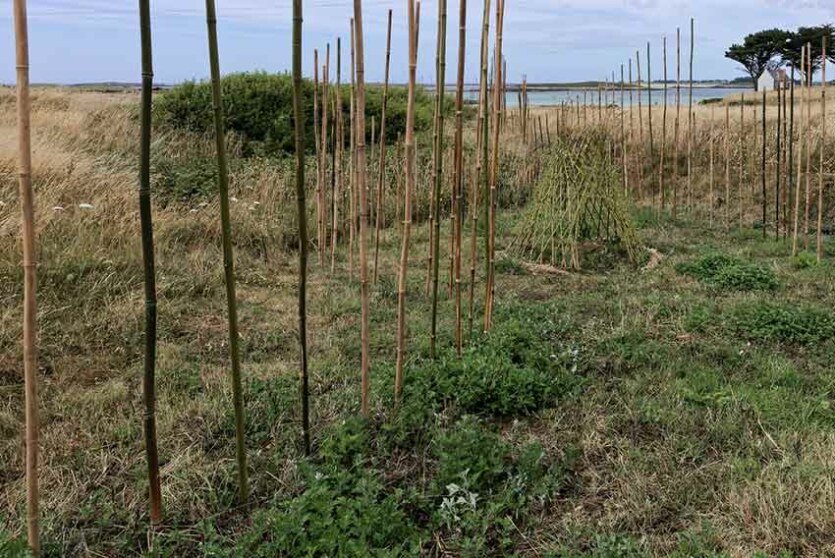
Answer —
783 322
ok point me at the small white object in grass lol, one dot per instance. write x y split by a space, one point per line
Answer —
256 203
85 206
193 211
204 204
234 199
57 208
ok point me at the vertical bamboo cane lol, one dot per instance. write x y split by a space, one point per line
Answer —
711 198
494 167
439 170
381 164
482 160
796 214
301 211
763 167
407 211
808 81
30 332
363 202
316 129
337 153
690 117
649 108
643 150
352 230
458 181
622 133
743 154
146 223
822 150
228 259
664 134
676 143
778 173
727 164
323 137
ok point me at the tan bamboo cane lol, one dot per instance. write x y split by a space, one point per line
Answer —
711 196
440 97
482 174
643 149
30 331
494 167
323 153
458 180
407 211
434 175
822 151
663 131
676 142
363 207
337 153
808 81
690 117
796 228
381 164
727 164
743 154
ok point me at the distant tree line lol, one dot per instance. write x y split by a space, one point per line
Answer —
775 48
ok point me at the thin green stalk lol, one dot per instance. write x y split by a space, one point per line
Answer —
228 260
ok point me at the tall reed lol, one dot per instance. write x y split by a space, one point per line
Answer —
228 259
458 180
822 151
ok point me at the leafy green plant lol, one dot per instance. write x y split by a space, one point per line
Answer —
769 321
729 273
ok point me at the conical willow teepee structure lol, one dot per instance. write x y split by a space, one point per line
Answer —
579 197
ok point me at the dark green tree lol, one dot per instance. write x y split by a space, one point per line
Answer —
758 50
809 35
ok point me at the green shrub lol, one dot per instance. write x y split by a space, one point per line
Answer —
729 273
12 546
259 107
783 322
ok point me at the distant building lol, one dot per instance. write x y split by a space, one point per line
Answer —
772 80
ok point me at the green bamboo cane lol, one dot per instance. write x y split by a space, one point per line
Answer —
146 223
30 331
228 260
298 114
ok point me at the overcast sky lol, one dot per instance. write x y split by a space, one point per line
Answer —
75 41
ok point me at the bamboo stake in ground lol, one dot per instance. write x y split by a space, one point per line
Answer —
494 168
481 159
407 212
458 180
777 174
796 215
711 197
439 170
690 117
301 210
146 224
742 157
339 140
228 260
352 230
363 203
808 81
664 135
763 168
323 137
677 124
30 332
822 151
320 179
640 125
728 164
381 164
649 110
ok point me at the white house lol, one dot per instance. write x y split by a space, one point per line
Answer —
773 79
